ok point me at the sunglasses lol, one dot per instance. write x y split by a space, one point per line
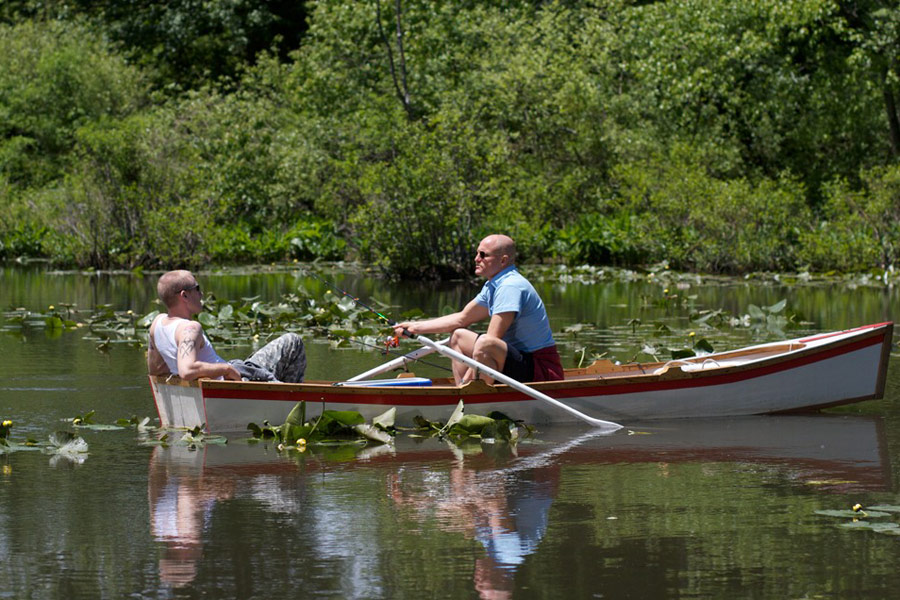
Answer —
196 286
482 254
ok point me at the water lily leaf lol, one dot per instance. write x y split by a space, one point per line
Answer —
291 433
471 424
297 416
99 427
348 418
373 433
147 319
756 312
683 353
650 350
195 438
777 307
386 419
704 345
8 447
456 416
423 423
499 430
226 312
851 514
162 441
889 508
207 320
880 527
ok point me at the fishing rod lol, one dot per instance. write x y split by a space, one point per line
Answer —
387 350
335 288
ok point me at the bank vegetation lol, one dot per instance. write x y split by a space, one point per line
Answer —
718 136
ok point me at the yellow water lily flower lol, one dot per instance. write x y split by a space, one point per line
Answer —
301 442
857 507
7 423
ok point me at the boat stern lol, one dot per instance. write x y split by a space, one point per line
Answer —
178 403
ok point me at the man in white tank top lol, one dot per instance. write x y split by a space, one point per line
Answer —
179 346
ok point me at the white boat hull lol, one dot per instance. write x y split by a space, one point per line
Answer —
795 375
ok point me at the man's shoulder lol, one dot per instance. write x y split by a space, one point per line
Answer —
513 278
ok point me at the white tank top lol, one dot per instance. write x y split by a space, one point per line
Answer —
164 338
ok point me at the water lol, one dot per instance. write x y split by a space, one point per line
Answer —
696 509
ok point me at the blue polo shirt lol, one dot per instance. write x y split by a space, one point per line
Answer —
508 291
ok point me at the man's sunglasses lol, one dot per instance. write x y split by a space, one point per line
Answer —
196 286
482 254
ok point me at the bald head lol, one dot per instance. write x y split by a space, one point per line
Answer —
173 283
501 244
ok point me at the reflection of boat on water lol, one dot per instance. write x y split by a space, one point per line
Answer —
493 494
793 375
829 447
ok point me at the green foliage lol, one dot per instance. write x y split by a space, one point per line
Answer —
430 199
24 239
698 222
332 426
714 135
55 77
599 239
861 227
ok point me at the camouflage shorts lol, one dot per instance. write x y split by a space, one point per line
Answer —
285 357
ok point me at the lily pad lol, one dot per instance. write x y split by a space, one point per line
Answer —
879 527
8 447
99 427
851 514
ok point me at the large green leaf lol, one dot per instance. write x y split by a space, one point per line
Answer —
347 418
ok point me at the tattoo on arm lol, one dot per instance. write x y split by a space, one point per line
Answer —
186 347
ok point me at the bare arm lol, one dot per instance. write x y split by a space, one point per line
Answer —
500 323
189 338
472 313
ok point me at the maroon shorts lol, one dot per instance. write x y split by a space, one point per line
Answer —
540 365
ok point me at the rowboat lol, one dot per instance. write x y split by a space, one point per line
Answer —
797 375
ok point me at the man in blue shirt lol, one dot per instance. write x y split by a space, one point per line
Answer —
518 342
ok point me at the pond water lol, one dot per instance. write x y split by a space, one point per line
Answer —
678 509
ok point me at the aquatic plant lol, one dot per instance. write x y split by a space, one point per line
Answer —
495 427
330 427
869 518
7 445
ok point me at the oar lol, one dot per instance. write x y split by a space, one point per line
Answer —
517 385
397 362
609 425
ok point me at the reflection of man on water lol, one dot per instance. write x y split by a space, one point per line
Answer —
181 502
507 514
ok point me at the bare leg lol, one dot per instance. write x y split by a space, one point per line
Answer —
491 352
463 341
